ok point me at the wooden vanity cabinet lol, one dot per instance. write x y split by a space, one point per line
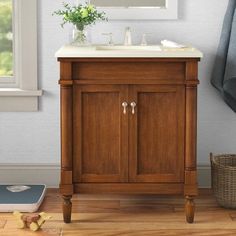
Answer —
128 125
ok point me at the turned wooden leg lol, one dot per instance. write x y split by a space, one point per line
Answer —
189 209
67 205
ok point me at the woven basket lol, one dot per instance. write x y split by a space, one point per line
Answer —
223 174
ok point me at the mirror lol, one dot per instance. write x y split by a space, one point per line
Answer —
129 3
138 9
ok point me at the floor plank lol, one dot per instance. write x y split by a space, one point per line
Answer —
133 215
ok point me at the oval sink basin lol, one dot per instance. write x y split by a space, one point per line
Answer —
128 48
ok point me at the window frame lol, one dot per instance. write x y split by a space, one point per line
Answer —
21 93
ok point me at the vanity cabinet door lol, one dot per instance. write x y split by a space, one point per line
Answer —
100 131
156 133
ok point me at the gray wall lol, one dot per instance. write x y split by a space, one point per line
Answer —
34 137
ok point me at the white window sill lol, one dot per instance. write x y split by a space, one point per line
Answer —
14 92
18 100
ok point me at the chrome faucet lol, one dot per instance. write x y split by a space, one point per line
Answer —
128 37
110 35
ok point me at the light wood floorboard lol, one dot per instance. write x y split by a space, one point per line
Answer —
116 215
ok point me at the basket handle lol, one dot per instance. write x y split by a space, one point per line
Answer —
211 157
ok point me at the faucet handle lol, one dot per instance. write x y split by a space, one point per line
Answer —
144 39
110 35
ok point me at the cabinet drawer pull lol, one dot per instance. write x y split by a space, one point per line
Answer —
125 105
133 105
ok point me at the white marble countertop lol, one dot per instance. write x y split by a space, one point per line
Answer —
119 51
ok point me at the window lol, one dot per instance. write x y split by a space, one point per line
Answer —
18 55
6 41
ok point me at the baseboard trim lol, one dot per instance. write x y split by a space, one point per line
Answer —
49 174
204 176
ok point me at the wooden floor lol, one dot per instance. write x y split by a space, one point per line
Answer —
129 215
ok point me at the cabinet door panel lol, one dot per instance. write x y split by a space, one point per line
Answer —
100 134
157 134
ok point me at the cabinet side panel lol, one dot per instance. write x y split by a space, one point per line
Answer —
66 184
190 188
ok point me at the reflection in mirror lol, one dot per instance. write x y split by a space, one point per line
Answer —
129 3
138 9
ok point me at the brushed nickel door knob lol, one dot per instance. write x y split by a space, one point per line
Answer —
133 105
124 105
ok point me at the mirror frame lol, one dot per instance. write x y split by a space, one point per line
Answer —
139 13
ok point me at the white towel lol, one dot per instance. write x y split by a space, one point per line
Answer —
171 44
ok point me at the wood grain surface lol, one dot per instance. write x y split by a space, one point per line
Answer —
136 215
107 150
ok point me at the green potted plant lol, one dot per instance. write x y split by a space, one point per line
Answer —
81 16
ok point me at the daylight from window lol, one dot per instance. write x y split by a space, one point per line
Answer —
6 42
